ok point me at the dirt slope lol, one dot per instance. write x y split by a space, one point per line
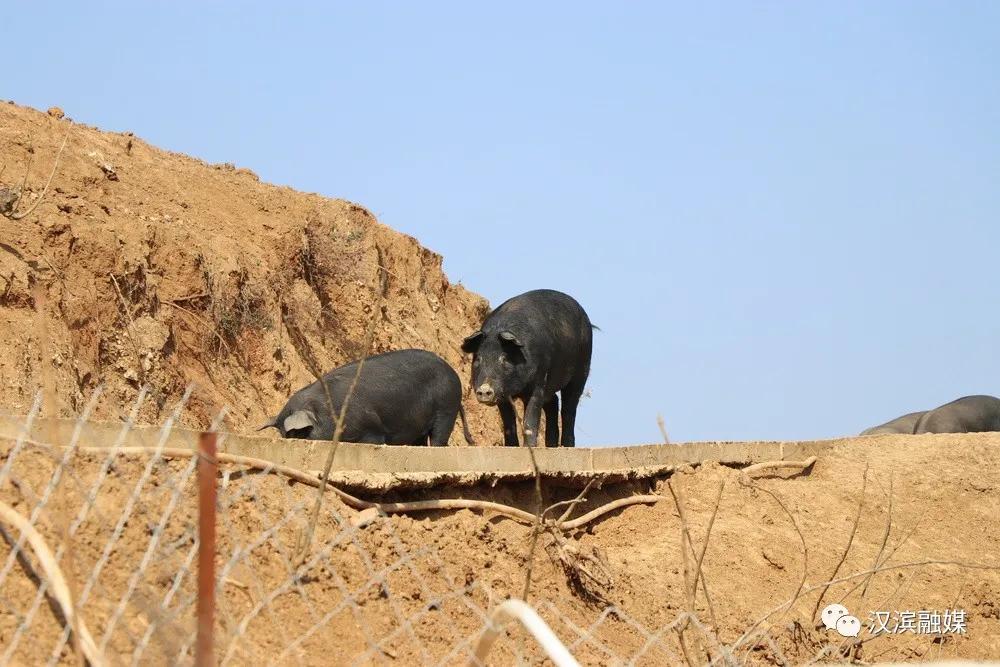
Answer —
414 589
144 266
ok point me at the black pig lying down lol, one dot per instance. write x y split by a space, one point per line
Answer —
904 424
529 348
403 397
969 414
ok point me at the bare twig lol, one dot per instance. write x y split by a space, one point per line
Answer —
55 165
205 322
587 573
851 577
885 604
700 576
190 297
850 541
708 533
571 504
699 572
40 294
24 181
887 558
898 593
954 605
686 545
663 428
131 328
68 548
536 529
902 541
680 640
530 559
208 468
69 558
338 430
805 556
885 540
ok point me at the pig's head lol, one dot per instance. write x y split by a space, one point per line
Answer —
501 366
293 424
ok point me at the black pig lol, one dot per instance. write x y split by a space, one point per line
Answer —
969 414
402 398
904 424
529 348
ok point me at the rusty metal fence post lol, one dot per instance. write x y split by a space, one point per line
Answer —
204 655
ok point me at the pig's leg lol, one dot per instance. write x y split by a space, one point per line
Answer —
509 419
533 417
552 421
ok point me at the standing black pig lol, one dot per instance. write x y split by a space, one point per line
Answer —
529 348
402 398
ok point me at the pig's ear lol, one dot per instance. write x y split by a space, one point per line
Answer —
508 337
298 420
271 424
472 342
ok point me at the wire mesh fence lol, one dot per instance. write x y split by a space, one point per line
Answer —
118 584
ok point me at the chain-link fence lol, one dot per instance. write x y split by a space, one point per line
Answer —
100 552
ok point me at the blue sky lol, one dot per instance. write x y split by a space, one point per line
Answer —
783 216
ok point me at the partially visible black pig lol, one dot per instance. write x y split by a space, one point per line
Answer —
904 424
969 414
529 348
403 397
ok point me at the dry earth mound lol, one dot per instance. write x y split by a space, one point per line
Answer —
142 266
917 513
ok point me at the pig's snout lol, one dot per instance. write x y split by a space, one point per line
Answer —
485 394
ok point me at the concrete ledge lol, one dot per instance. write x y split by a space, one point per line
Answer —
384 466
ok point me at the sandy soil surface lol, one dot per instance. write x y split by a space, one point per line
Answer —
413 589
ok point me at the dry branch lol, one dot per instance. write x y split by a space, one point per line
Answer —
130 329
571 504
882 561
850 541
686 544
885 540
204 322
663 429
699 573
777 465
57 581
338 431
646 499
851 577
569 563
536 527
700 576
708 534
805 557
587 572
13 214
